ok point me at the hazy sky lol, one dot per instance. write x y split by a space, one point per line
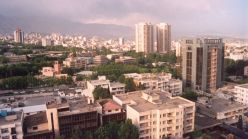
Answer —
213 17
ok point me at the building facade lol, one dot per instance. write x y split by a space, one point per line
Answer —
203 64
19 36
163 31
160 81
144 37
11 125
156 115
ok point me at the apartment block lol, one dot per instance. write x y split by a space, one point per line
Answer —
144 37
221 109
202 64
163 31
157 115
241 94
11 125
110 111
100 60
114 87
65 118
74 62
160 81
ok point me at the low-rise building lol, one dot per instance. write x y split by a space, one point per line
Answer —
241 94
75 62
157 115
110 111
161 81
36 127
11 125
100 60
13 58
246 71
114 88
54 71
221 109
125 60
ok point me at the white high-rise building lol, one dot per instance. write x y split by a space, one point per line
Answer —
144 37
121 41
19 36
46 42
163 31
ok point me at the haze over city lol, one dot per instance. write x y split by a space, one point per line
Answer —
123 69
194 17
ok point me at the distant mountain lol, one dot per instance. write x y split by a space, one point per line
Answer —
49 25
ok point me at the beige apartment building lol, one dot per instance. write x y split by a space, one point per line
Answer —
160 81
11 125
144 37
163 31
100 60
156 115
202 64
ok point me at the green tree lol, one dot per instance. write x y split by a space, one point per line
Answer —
189 94
130 85
128 130
101 93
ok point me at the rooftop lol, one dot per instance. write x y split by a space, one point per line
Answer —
117 84
99 82
204 122
151 100
221 105
109 104
11 118
243 86
35 119
79 105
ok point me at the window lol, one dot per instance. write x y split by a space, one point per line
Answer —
4 130
35 127
5 137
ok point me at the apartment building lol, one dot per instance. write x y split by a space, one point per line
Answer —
13 58
161 81
221 109
65 118
144 38
54 71
202 64
110 111
163 31
157 115
11 125
114 87
241 93
36 127
100 60
74 62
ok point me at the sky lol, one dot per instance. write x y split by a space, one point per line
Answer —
203 17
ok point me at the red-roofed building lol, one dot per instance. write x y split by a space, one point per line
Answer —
110 112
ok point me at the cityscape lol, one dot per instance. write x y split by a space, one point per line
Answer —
130 69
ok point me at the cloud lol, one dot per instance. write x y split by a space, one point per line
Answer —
186 16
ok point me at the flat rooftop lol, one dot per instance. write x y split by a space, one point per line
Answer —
19 118
243 86
160 101
204 122
74 106
221 105
117 84
99 82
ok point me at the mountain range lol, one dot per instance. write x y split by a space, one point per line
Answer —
48 25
